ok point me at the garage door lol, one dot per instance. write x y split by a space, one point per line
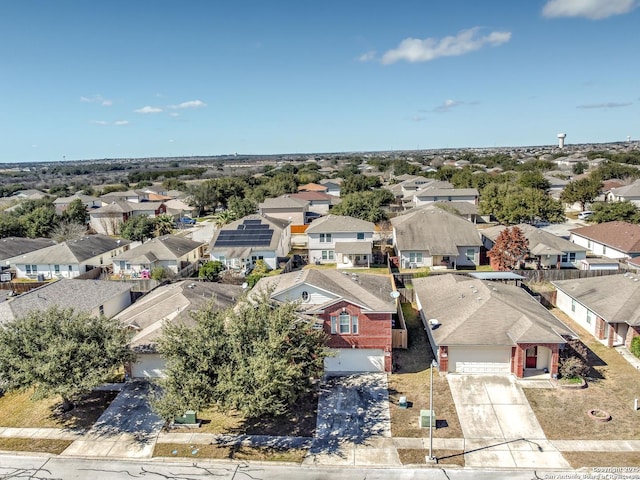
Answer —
355 360
149 365
480 359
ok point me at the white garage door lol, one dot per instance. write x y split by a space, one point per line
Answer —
149 365
355 360
480 359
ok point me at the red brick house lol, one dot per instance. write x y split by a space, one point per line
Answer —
477 326
355 311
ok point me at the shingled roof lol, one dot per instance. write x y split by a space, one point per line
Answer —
339 223
622 236
73 252
169 247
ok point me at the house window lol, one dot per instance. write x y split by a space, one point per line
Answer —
415 257
604 250
71 268
360 236
354 324
56 268
471 254
589 245
32 269
573 305
569 257
327 254
589 316
101 309
325 238
334 324
305 296
122 264
344 323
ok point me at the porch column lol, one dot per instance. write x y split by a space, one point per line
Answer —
553 368
518 360
612 334
443 359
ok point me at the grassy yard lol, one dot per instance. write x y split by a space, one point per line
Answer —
603 459
223 452
411 379
562 413
40 445
417 456
17 409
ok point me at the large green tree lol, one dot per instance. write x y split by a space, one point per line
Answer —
61 352
365 205
138 228
582 191
511 204
611 211
258 359
76 212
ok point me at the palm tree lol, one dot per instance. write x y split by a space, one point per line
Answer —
163 225
223 218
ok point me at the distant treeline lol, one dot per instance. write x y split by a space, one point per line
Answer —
135 177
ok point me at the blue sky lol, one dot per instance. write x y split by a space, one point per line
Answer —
86 80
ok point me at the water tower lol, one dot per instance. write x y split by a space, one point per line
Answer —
561 137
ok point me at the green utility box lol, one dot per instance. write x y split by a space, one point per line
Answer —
189 418
427 418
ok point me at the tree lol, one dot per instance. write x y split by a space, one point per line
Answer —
138 228
203 196
163 225
68 231
260 269
61 352
579 168
611 211
76 212
40 222
583 191
534 179
224 218
257 358
364 205
241 207
512 204
210 270
10 226
509 249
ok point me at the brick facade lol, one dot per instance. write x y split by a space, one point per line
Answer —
600 326
374 330
443 357
518 357
632 333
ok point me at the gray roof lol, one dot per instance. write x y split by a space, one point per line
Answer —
476 312
614 298
14 246
434 230
116 206
169 247
628 191
81 295
430 191
540 241
353 247
371 292
339 223
462 208
284 201
173 303
276 224
86 199
73 252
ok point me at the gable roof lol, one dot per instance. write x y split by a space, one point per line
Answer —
169 247
340 223
14 246
276 225
628 191
430 191
614 298
476 312
371 292
540 241
284 201
317 196
81 295
312 187
116 206
622 236
173 303
86 199
73 252
434 230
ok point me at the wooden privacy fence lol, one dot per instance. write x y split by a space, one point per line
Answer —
399 337
552 275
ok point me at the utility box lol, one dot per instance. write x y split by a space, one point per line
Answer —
427 418
189 418
402 403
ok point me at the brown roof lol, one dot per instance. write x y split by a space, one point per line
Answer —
311 195
622 236
312 187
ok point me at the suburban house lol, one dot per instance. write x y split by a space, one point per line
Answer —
12 248
128 196
433 237
172 303
88 201
608 307
546 250
170 252
475 326
319 202
355 311
71 258
312 187
610 239
287 208
108 219
430 195
345 241
627 192
254 237
97 297
333 186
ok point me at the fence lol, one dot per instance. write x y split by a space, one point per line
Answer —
21 287
399 337
552 275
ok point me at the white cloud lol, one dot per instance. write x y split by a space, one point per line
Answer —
368 56
174 114
447 106
121 122
148 109
416 50
99 122
605 105
592 9
105 102
189 104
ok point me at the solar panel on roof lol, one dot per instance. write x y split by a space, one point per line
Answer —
254 236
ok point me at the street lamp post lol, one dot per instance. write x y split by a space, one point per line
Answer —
431 457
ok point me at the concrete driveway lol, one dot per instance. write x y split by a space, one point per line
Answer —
353 422
499 426
128 428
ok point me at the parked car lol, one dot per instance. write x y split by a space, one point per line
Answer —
585 215
187 221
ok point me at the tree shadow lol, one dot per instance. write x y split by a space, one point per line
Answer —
87 409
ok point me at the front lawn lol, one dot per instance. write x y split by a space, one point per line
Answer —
411 379
562 413
39 445
224 452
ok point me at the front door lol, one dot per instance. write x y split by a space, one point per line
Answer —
531 357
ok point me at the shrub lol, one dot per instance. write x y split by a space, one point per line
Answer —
635 346
573 367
